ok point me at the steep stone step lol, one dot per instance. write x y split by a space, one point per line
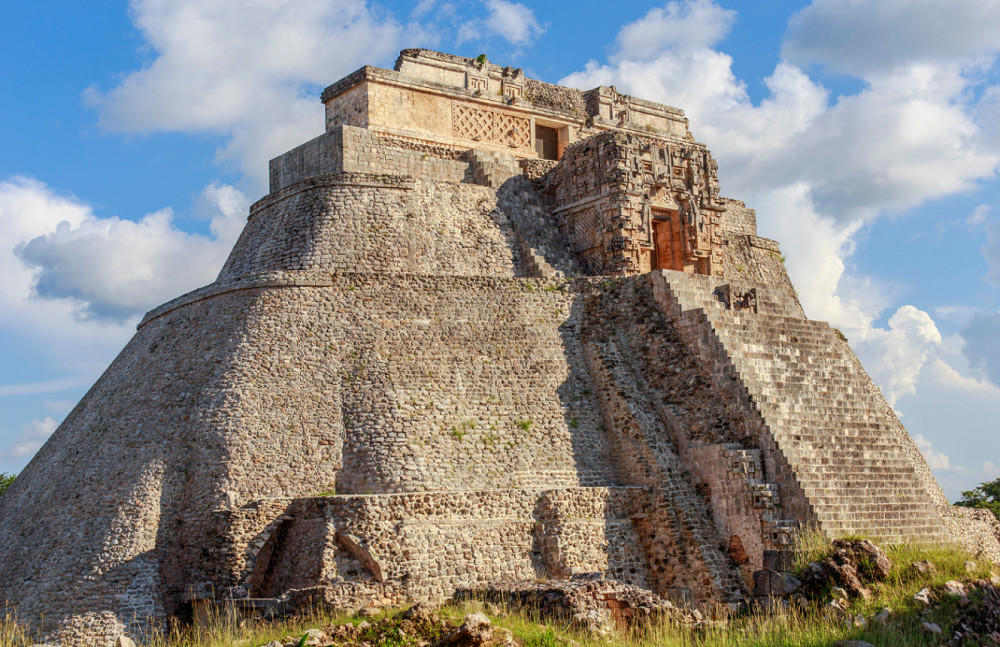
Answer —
825 415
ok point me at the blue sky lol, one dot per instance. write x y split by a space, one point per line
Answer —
866 135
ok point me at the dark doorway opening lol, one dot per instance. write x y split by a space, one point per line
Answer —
547 142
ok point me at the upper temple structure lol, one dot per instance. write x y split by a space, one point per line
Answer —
483 330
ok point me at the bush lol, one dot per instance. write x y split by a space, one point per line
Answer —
5 481
986 496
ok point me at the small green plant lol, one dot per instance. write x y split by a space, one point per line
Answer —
574 422
481 59
524 424
5 482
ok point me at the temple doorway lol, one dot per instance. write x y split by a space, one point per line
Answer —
662 256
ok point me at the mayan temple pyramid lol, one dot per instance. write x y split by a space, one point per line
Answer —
482 330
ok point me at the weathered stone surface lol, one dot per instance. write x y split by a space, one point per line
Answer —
456 348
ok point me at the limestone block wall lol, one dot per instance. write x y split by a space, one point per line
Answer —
737 218
426 545
125 484
742 500
422 382
353 106
753 259
410 106
380 224
359 150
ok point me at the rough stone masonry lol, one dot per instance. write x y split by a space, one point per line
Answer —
484 329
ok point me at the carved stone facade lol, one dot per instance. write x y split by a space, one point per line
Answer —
483 329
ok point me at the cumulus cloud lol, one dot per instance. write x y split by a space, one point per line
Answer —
817 168
60 261
820 169
512 21
31 437
934 458
29 209
859 38
676 26
247 69
901 351
116 268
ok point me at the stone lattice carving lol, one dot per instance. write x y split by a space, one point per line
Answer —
492 126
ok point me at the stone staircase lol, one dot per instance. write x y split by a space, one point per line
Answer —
853 461
682 541
543 250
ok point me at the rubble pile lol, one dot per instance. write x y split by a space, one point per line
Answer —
599 606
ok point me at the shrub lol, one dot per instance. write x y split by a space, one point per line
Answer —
5 481
986 496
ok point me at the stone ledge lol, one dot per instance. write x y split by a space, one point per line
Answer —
290 280
345 178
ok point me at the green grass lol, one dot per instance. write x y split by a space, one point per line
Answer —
813 625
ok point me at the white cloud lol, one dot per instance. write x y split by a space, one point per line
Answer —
819 170
676 26
864 37
32 436
955 479
116 269
74 284
247 69
512 21
934 458
899 352
979 215
28 209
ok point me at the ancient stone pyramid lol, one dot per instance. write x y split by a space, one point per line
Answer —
483 329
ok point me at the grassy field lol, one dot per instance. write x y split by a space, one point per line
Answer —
814 624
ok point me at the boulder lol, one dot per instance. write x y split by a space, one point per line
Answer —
923 596
421 613
476 631
932 628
